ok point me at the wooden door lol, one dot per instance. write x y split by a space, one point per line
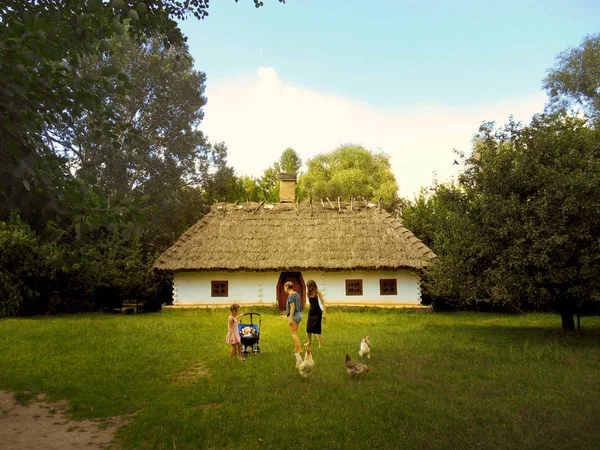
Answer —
299 287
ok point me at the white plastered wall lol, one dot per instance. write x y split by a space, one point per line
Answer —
194 288
333 287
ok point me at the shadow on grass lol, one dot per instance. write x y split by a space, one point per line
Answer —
495 334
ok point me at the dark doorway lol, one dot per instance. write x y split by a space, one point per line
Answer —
299 287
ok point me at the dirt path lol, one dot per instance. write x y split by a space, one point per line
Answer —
43 426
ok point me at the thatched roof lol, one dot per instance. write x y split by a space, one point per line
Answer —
292 237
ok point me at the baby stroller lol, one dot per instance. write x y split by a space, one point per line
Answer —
250 333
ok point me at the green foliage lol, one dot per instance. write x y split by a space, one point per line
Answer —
523 224
432 212
251 189
104 264
42 45
351 171
59 72
575 79
102 155
26 269
269 184
266 187
290 161
222 185
160 155
157 116
111 268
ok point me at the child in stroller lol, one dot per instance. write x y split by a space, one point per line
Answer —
250 332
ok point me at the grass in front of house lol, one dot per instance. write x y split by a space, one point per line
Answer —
437 380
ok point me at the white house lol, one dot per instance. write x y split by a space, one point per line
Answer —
358 254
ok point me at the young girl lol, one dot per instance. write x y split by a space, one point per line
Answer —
233 334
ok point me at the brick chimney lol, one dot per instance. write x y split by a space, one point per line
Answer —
287 187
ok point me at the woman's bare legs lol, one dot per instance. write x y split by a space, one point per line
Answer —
294 331
309 343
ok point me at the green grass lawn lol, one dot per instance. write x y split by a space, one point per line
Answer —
460 380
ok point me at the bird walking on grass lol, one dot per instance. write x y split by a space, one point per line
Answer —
355 368
306 367
365 348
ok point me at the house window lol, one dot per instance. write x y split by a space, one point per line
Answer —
388 287
354 287
219 288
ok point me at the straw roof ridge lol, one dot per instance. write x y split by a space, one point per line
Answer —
320 204
285 236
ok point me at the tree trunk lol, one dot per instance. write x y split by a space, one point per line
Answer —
568 324
566 312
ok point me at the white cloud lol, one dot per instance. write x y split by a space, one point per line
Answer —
259 117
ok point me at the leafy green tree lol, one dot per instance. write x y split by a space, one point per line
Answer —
251 189
161 111
266 187
100 132
222 184
429 214
42 45
523 223
575 79
351 171
442 220
269 183
161 154
290 161
41 48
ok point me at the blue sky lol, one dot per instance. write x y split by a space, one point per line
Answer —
412 79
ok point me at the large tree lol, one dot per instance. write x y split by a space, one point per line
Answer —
351 171
158 118
523 223
222 184
575 79
159 154
99 109
42 45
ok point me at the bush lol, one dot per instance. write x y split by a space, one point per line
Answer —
26 269
110 271
38 277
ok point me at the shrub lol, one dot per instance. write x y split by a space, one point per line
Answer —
26 269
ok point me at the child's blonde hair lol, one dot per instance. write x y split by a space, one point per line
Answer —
288 285
234 307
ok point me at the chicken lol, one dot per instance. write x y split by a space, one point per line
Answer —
298 360
365 348
306 367
355 368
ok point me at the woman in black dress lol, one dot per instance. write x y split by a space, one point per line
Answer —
316 313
